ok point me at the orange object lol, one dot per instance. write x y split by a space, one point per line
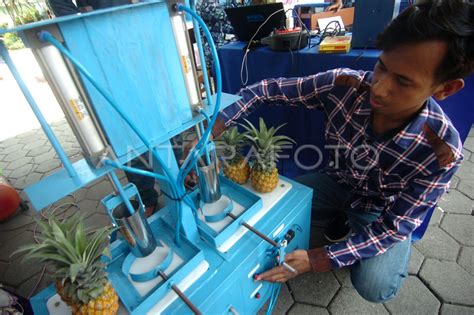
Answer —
9 199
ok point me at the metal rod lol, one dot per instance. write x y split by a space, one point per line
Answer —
44 124
251 228
135 170
288 267
180 294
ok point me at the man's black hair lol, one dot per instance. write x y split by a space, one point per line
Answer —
451 21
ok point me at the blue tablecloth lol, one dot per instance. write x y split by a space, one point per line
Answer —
306 126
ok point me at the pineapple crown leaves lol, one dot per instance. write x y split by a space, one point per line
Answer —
232 137
232 141
67 245
266 144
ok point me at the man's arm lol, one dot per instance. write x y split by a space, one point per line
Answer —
305 91
336 6
403 217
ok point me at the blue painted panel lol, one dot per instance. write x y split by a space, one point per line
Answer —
131 299
251 202
38 302
131 52
58 185
227 283
71 17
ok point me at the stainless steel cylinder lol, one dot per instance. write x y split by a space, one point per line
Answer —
135 229
71 98
208 177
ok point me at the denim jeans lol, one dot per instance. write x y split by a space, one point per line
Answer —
377 279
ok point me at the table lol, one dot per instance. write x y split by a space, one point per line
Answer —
305 126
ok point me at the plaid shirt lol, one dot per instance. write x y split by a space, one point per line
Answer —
401 176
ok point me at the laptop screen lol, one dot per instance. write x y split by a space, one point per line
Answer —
246 20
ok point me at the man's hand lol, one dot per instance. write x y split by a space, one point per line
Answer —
335 7
191 179
302 261
298 260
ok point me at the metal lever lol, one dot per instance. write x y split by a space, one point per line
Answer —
180 294
251 228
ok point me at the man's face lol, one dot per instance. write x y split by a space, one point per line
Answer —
404 78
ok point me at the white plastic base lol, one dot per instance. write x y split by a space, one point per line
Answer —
144 264
56 306
183 285
217 207
268 200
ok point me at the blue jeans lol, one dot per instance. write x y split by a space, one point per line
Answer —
377 279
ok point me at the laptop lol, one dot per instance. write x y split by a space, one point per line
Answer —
246 20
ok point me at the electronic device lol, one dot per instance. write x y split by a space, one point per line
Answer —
247 20
285 40
370 18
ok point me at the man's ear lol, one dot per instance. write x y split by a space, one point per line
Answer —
448 88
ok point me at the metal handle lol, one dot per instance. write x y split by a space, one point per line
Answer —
251 228
180 294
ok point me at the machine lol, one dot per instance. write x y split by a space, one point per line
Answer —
127 84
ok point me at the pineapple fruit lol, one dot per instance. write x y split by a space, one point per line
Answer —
236 167
266 147
81 280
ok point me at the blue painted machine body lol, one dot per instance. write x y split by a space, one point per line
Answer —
131 52
228 283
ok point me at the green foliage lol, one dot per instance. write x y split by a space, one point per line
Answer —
233 142
75 254
12 41
25 11
21 12
266 145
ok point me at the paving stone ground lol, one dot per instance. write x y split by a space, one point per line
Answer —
441 269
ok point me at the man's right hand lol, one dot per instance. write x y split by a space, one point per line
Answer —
191 179
335 7
217 130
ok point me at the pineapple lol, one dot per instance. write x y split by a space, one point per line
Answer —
266 147
81 280
236 167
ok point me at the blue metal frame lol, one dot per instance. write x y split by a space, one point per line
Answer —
114 51
229 280
134 303
251 202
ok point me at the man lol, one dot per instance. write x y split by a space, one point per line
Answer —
336 6
397 150
66 7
